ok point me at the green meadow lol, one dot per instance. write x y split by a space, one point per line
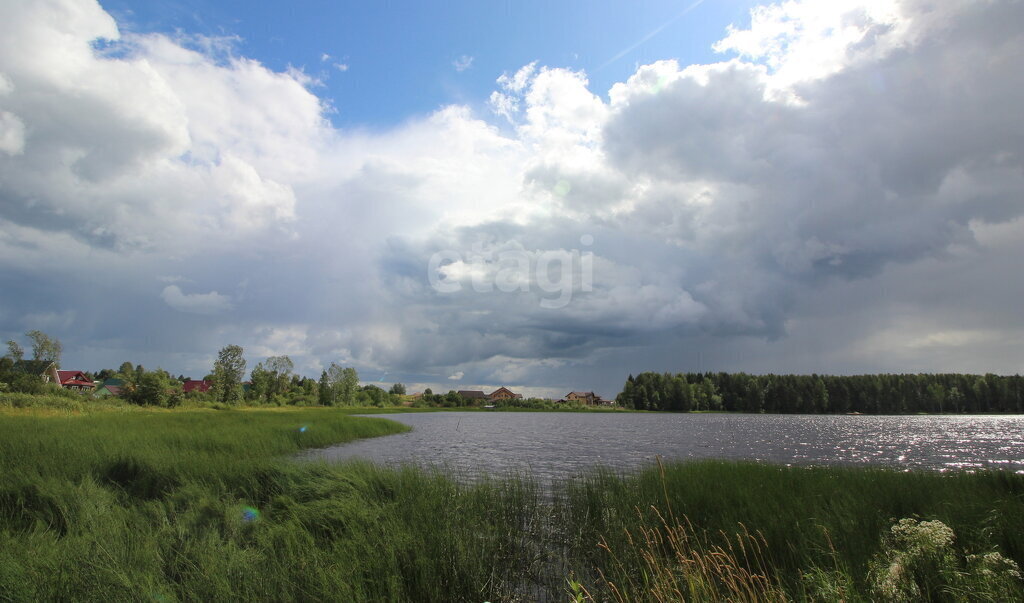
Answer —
121 503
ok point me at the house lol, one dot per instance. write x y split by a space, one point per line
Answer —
588 398
472 394
75 380
192 385
109 387
503 393
105 391
47 369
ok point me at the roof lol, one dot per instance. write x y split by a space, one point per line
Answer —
472 393
33 367
195 385
505 390
584 394
114 390
73 377
113 381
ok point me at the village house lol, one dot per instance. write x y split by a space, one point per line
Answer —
109 387
193 385
504 393
47 370
472 394
588 398
75 380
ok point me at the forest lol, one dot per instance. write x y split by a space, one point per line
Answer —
824 394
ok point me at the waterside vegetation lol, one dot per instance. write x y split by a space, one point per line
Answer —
157 504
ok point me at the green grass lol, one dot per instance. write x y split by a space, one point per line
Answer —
813 521
122 503
152 505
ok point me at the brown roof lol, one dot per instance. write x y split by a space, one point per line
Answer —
472 393
503 389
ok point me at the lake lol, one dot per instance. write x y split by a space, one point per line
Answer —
558 445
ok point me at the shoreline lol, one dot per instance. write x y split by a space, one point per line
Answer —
202 505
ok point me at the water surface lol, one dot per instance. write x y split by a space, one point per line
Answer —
558 445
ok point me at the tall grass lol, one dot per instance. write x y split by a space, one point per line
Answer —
818 530
203 505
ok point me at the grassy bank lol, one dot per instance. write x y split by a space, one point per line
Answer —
814 533
205 505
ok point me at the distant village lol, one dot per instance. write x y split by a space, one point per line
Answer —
81 382
503 393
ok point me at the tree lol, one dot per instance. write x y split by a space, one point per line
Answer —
150 389
397 388
349 385
344 381
227 375
262 379
14 351
428 392
45 347
279 369
127 369
281 365
326 392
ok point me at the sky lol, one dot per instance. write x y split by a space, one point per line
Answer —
464 195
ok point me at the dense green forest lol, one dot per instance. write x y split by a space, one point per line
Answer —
875 394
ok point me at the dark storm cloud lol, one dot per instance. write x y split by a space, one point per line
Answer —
828 206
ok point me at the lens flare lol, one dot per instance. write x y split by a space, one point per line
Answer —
250 514
302 429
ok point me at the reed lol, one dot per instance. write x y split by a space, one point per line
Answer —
168 505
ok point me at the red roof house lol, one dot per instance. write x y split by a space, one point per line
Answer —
192 385
75 380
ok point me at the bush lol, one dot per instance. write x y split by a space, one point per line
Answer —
918 562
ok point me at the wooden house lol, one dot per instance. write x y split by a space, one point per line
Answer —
503 393
588 398
75 380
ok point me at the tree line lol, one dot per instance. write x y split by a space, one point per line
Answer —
271 382
824 394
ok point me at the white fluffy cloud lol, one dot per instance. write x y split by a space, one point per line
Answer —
735 206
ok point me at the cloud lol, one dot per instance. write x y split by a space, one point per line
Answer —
195 303
342 67
839 193
463 63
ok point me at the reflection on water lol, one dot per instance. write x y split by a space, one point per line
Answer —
557 445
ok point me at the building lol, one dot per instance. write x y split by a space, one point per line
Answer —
504 393
47 370
588 398
75 380
473 395
192 385
109 387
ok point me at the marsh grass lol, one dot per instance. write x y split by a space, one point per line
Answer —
675 566
818 531
206 506
168 505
